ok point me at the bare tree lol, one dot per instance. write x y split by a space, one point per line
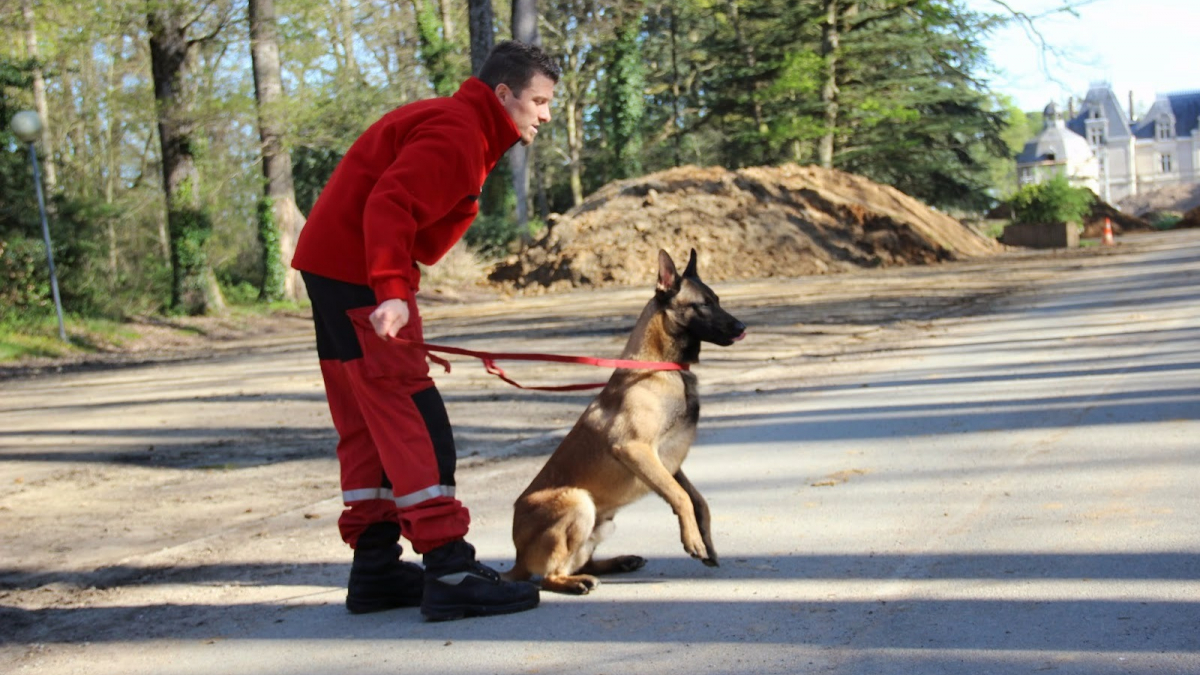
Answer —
50 171
830 41
280 220
482 21
525 29
194 287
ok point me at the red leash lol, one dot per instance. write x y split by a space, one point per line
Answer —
489 363
489 359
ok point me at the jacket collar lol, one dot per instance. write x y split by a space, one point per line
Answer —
499 130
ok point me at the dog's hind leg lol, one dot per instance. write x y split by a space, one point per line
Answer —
560 524
615 565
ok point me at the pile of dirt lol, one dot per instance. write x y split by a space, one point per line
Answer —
756 222
1173 198
1122 223
1190 219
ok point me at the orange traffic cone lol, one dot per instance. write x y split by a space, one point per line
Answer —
1107 239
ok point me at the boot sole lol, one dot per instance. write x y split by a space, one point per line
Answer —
372 607
463 611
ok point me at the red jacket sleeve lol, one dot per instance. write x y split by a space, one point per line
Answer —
433 171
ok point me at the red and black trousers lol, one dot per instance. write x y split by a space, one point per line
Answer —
395 445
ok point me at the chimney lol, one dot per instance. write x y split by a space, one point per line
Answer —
1070 107
1131 113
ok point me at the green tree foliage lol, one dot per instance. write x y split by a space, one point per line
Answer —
1053 201
18 207
622 109
647 85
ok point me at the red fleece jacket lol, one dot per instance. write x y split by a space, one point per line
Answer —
406 191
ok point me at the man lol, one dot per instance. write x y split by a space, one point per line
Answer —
405 192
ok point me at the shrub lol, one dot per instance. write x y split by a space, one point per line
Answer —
24 280
1054 201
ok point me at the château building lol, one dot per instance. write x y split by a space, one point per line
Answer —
1103 148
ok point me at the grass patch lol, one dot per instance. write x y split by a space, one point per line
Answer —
38 337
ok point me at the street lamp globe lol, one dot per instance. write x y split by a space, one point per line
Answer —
27 126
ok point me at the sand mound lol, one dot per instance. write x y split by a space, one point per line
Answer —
1190 219
756 222
1177 198
1122 223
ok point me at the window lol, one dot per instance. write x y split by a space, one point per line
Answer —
1162 128
1164 163
1095 136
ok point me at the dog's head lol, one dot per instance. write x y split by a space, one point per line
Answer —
692 307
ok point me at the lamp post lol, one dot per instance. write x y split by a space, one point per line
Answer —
27 126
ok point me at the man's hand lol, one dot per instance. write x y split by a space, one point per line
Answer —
389 317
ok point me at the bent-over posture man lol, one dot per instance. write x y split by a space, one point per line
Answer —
405 192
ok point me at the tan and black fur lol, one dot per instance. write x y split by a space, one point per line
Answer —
631 440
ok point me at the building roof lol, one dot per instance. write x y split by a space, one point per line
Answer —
1056 143
1184 107
1101 101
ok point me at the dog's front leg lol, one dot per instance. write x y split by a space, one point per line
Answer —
643 461
703 519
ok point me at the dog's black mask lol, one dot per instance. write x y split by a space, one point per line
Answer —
692 306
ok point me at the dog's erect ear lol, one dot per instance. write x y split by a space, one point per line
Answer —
690 270
668 278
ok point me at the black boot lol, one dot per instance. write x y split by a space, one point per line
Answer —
456 586
379 580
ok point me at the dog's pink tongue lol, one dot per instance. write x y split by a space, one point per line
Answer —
743 335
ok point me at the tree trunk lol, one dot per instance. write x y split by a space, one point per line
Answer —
446 7
193 290
747 50
525 29
346 24
574 149
280 220
677 138
112 139
482 22
49 168
830 39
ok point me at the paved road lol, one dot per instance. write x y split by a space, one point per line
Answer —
1009 492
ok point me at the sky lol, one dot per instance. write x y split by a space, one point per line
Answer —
1144 46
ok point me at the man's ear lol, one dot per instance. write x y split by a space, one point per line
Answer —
503 92
668 278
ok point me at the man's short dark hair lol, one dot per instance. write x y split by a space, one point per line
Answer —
515 63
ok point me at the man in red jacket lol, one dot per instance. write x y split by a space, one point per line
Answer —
405 192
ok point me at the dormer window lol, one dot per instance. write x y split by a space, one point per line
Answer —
1095 136
1162 128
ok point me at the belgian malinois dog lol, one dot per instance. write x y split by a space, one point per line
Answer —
630 440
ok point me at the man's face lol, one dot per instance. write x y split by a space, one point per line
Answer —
531 108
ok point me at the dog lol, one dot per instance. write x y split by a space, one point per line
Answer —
631 439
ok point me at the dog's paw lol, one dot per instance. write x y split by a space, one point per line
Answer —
694 546
711 561
578 584
629 563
